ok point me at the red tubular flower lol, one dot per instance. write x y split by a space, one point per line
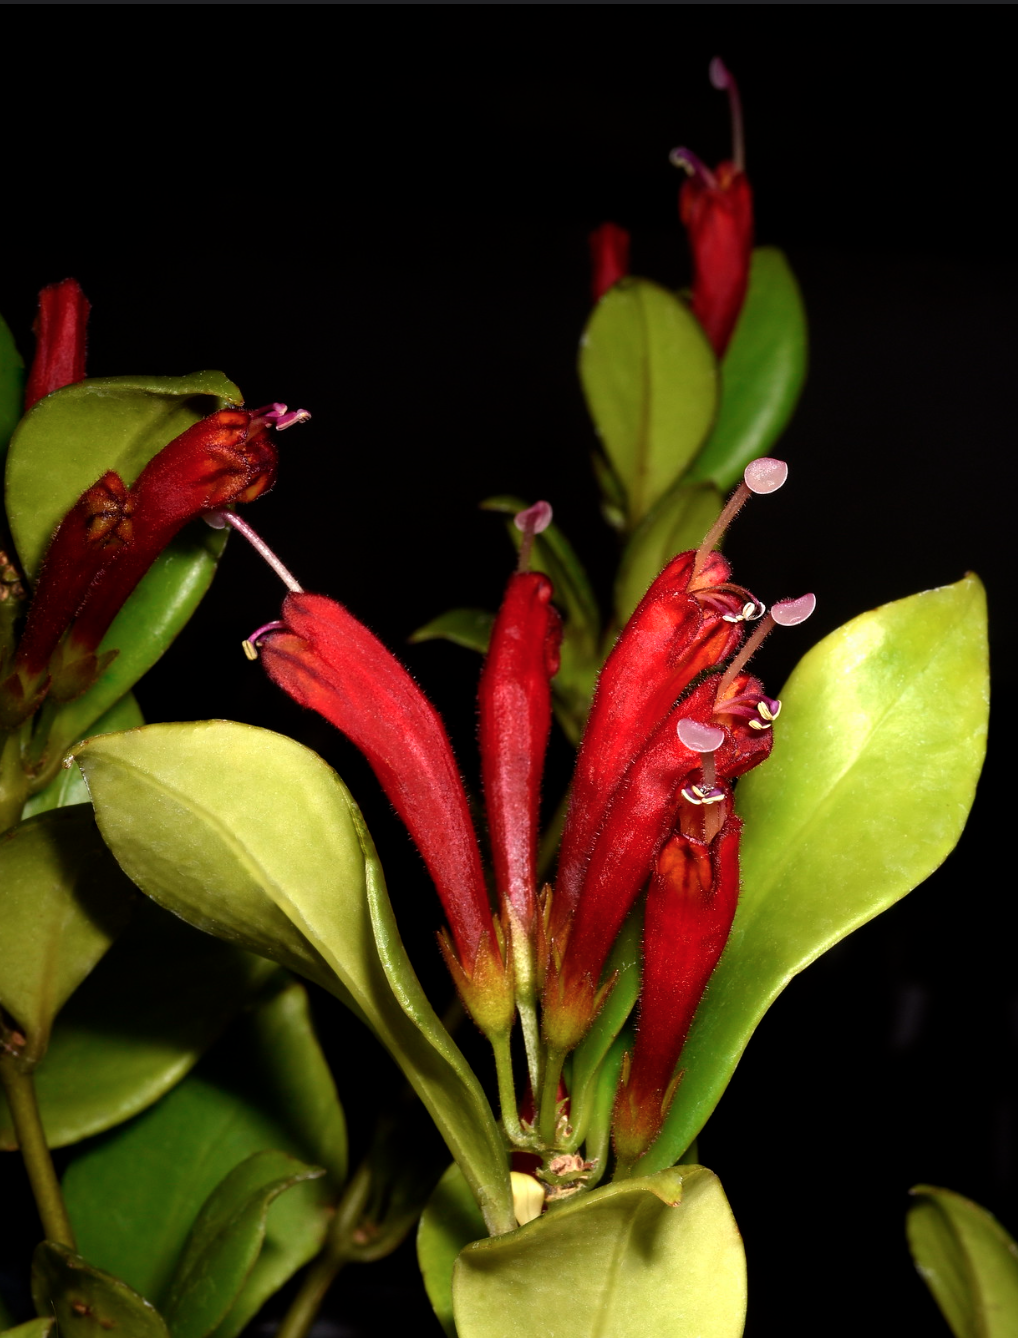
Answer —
327 660
646 807
514 698
225 459
60 340
684 624
717 211
691 904
609 258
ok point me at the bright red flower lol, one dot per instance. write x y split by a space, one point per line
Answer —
60 340
717 211
609 258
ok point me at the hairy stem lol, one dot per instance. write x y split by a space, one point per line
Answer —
549 1097
20 1092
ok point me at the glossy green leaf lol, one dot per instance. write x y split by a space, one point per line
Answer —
876 757
63 900
762 373
6 1318
87 1302
12 386
138 1024
135 1196
226 1240
968 1261
678 522
144 628
651 383
448 1224
69 439
68 787
33 1328
252 837
590 1054
470 628
660 1255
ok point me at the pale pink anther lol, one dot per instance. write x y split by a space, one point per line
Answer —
693 165
765 474
534 519
278 416
791 612
700 738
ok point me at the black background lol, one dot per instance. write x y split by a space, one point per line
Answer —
384 220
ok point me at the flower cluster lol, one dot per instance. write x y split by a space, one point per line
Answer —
675 719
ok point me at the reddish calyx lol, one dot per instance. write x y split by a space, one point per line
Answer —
60 329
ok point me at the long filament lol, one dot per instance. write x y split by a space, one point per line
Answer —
262 548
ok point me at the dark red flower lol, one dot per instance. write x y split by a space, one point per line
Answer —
609 258
717 211
60 340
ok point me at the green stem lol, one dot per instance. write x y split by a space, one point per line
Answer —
532 1041
338 1250
506 1087
20 1092
13 781
549 1097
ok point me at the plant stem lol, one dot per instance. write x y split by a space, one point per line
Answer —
549 1097
20 1091
506 1087
339 1247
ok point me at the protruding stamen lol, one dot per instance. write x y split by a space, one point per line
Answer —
765 474
792 612
694 166
278 416
702 794
533 520
721 78
761 476
251 644
258 544
786 613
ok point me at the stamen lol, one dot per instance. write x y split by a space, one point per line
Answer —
694 166
278 416
251 644
721 78
705 740
534 520
750 612
763 475
786 613
702 794
217 519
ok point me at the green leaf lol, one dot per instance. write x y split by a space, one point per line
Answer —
148 623
470 628
12 386
876 757
660 1255
448 1224
590 1054
86 1301
135 1196
968 1261
68 787
33 1328
69 439
651 383
63 900
679 521
762 373
226 1240
252 837
138 1024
